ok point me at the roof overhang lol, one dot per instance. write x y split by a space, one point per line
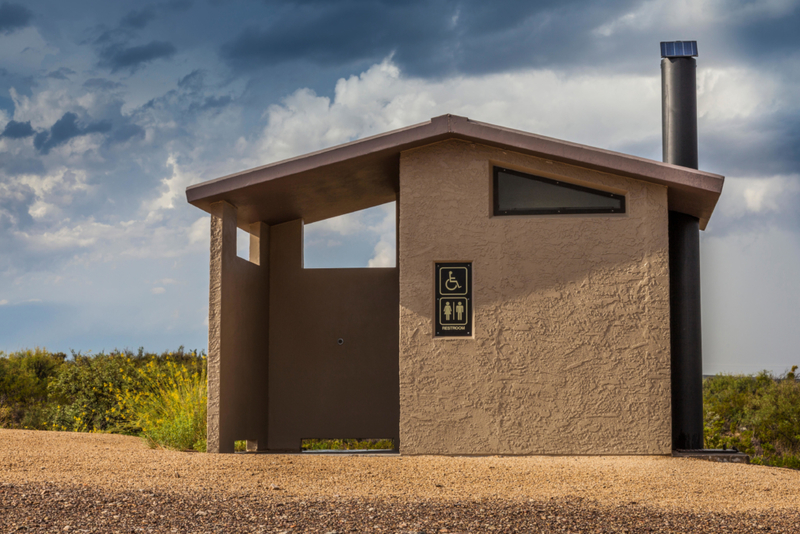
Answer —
365 173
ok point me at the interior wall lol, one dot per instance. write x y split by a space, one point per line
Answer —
319 388
570 349
238 335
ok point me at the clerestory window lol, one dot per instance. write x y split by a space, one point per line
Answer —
518 193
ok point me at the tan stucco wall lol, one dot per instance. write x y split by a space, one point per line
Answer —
318 388
570 353
238 335
276 373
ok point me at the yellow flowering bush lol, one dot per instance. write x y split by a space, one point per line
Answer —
167 406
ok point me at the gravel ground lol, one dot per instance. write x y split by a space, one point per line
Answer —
65 482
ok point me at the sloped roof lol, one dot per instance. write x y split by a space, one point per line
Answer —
365 173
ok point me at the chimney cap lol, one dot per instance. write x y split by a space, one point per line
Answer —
678 48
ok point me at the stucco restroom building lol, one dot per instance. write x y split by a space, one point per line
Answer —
529 311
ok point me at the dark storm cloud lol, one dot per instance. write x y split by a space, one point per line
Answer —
101 83
64 129
764 37
126 132
211 102
745 146
427 39
193 81
117 57
179 5
61 74
17 130
13 17
437 39
139 19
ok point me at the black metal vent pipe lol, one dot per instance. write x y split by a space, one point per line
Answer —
679 130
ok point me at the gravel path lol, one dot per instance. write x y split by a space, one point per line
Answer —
65 482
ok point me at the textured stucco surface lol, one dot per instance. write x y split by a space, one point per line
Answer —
317 387
570 352
238 335
214 337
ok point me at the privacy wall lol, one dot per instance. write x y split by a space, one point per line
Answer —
296 353
333 348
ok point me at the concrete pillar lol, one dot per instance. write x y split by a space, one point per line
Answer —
223 252
238 335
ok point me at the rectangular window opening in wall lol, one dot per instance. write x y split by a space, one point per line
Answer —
245 445
243 244
519 193
365 238
347 445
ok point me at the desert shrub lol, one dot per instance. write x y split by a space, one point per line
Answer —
24 380
84 396
165 402
80 394
759 415
43 390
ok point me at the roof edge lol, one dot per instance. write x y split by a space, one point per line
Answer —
693 191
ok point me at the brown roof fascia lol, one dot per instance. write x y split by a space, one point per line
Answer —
689 190
394 141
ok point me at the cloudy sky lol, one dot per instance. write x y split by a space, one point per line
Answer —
108 110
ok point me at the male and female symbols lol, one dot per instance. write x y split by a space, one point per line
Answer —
448 311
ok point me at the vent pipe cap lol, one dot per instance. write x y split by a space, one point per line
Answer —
678 48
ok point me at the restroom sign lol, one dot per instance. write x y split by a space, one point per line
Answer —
453 299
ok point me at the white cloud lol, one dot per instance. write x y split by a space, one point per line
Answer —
364 238
200 230
385 250
607 111
347 224
173 188
729 93
62 181
42 108
3 302
157 290
384 254
748 196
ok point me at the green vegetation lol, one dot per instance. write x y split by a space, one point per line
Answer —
166 403
161 397
346 444
759 415
25 377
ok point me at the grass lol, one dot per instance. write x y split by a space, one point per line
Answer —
346 444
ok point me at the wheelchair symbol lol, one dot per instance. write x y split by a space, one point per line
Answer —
451 284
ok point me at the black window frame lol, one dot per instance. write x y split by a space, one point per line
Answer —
550 211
